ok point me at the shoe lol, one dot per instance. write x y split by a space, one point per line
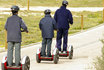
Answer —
16 66
59 52
64 52
49 56
43 55
10 66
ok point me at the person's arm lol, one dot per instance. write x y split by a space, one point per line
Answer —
23 26
40 24
55 16
54 24
6 25
70 18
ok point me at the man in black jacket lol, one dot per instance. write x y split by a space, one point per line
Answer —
63 17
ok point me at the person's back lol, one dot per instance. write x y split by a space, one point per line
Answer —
47 26
14 24
63 17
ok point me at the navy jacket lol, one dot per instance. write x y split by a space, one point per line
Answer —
63 17
13 27
47 26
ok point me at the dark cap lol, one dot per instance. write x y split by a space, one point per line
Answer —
15 8
47 11
65 2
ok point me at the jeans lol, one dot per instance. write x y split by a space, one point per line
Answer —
46 42
17 46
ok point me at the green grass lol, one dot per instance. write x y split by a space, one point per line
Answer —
99 65
72 3
32 21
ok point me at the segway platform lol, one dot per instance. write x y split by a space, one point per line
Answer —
25 64
64 54
54 57
13 68
46 58
69 52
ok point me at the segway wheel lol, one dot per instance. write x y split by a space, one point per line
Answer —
37 58
56 57
2 66
71 53
26 66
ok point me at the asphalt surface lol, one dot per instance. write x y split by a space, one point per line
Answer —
87 46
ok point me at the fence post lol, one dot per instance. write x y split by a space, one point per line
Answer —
81 22
5 39
28 4
103 3
103 15
14 2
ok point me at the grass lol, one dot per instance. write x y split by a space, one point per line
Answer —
72 3
99 65
32 21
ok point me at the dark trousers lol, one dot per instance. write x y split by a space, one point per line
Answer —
62 33
46 42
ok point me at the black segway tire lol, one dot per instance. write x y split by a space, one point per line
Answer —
71 53
56 57
37 59
26 66
2 66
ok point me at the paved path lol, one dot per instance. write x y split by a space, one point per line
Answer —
86 44
75 9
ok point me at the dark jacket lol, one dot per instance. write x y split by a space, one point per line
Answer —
13 27
63 17
47 26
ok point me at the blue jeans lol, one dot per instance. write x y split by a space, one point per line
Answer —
11 46
46 42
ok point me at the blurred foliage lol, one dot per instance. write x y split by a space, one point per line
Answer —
99 64
72 3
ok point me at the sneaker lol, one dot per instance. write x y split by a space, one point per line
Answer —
10 66
49 56
43 55
59 52
16 66
64 52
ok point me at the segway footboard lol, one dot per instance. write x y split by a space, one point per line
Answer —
63 54
70 52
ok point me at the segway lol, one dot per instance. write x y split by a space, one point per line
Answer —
69 52
54 57
24 64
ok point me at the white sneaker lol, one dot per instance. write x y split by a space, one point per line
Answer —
64 52
59 52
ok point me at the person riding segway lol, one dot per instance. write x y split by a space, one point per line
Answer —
63 18
47 26
13 26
